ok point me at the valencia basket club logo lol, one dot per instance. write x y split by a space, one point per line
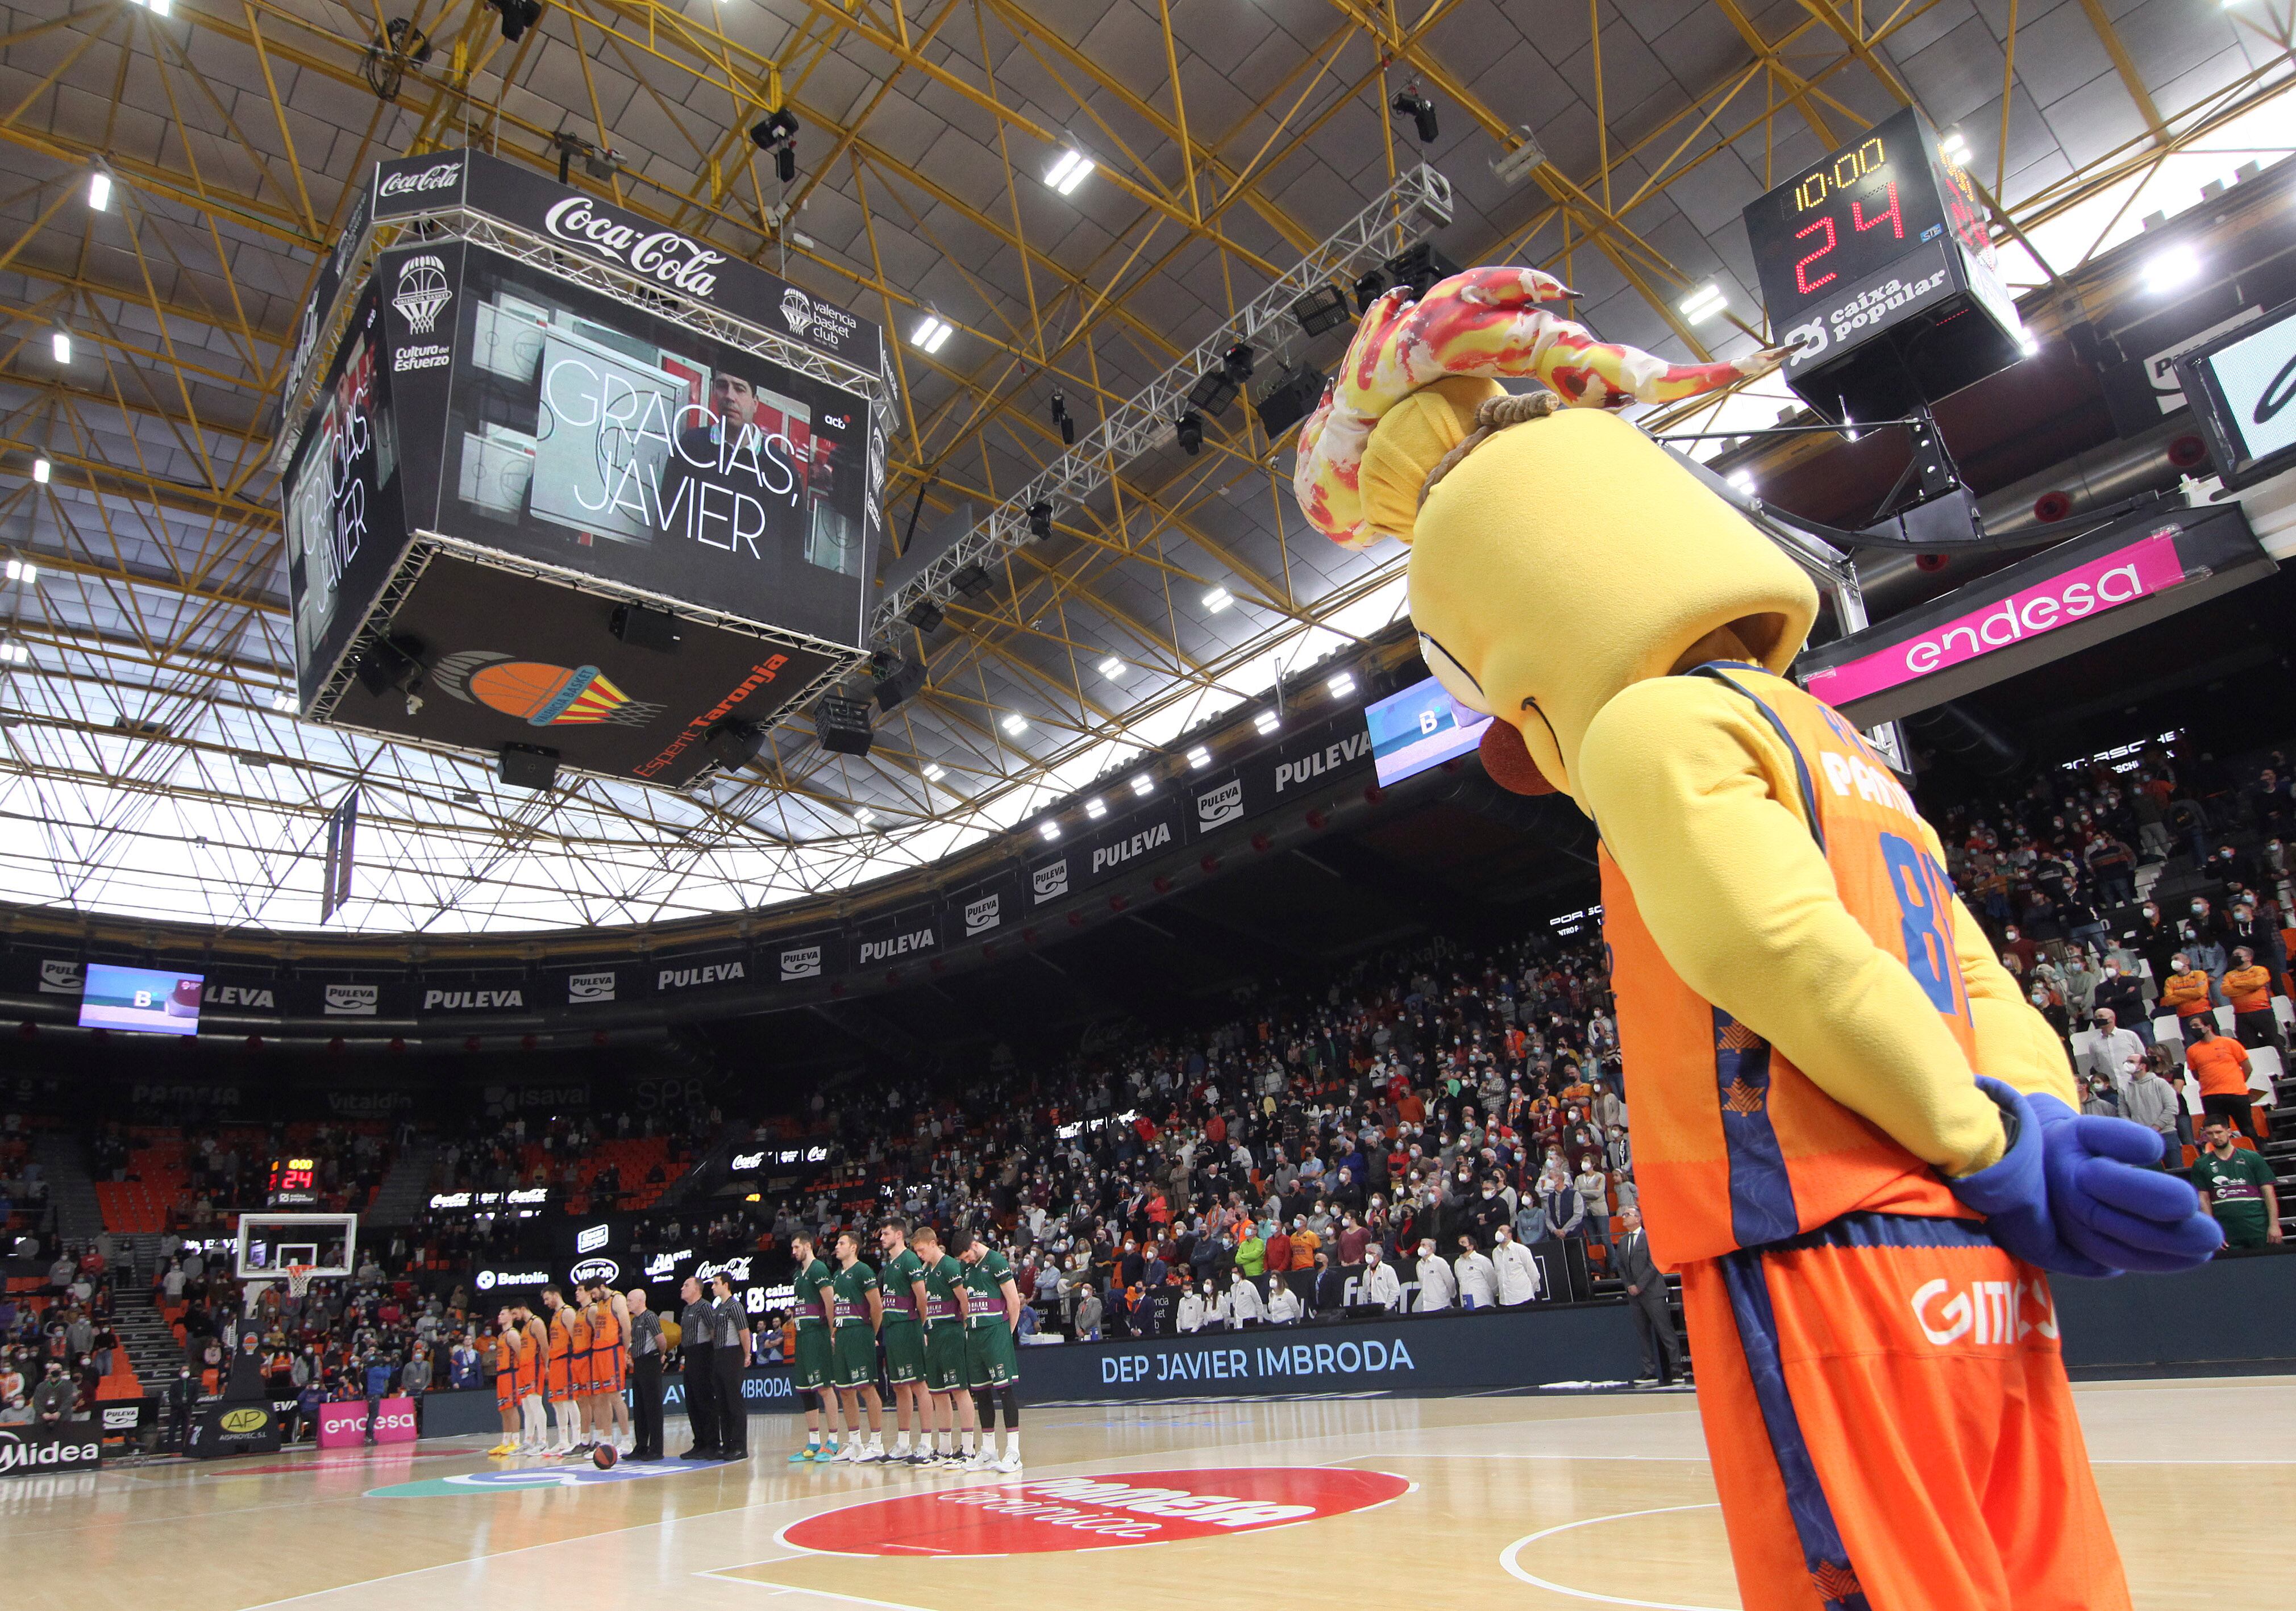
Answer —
422 292
540 695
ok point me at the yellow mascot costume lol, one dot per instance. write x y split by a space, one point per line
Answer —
1852 1136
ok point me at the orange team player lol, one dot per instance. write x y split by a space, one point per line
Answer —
533 1350
557 1386
581 1389
1853 1135
503 1352
609 1414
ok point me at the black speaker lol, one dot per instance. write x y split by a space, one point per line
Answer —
642 628
1292 399
733 744
901 683
396 662
844 725
1419 266
529 766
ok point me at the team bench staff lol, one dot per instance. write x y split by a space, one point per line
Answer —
1852 1134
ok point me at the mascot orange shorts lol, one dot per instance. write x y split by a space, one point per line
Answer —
1886 1409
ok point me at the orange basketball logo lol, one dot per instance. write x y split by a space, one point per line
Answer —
539 693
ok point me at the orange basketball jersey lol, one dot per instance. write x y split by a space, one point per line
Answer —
530 1361
1735 1146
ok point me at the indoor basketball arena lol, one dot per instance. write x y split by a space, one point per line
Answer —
935 803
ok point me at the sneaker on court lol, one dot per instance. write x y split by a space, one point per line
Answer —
871 1457
822 1452
923 1457
980 1461
804 1451
854 1454
1010 1464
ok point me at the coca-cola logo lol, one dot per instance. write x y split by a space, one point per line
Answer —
663 255
407 182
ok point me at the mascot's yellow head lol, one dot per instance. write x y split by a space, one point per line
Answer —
1558 553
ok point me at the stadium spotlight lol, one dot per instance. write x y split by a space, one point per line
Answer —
99 191
1198 758
1324 308
2167 272
1143 785
1237 362
41 471
1096 808
1111 668
1063 419
1051 832
931 335
1704 303
1410 103
1743 481
1267 721
1212 393
1189 427
778 135
1040 520
935 772
59 343
1341 684
1015 725
1954 146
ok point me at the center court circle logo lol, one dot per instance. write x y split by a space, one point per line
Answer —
1109 1512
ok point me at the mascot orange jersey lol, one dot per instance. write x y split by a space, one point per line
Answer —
1804 1007
1735 1146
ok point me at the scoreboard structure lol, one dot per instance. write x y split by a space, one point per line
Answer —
1878 263
294 1183
570 489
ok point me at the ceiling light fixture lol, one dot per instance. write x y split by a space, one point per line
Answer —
1051 832
1189 427
1743 481
13 652
934 773
1096 808
41 471
1267 721
1016 725
1704 303
1217 600
282 701
932 334
1410 103
99 191
1112 668
1954 147
1063 419
1070 169
1342 685
1143 785
61 344
1200 757
2168 270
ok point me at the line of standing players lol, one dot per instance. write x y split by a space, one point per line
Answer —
945 1319
571 1369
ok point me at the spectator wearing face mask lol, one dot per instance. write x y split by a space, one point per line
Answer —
2113 865
2220 1064
2118 992
2155 940
1283 1305
1240 1304
2150 1101
2204 938
1439 1288
1478 1277
1381 1285
2248 986
1088 1315
2021 945
1516 1271
2117 1053
1485 1212
2186 991
1188 1315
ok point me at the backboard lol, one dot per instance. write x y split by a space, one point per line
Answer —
270 1242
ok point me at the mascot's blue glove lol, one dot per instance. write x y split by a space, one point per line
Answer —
2073 1193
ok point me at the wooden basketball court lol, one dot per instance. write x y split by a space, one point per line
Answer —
1541 1503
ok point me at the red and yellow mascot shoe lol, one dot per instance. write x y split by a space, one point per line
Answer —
1852 1136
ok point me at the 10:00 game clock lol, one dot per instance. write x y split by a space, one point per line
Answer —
1877 260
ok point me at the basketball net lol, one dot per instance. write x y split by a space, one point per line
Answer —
298 1279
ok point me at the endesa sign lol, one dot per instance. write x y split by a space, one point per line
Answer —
343 1425
2094 587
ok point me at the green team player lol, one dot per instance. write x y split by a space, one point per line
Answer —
945 1369
903 1275
860 1311
992 1309
811 1370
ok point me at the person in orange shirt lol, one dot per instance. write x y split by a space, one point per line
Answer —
505 1352
533 1350
2248 986
2220 1063
558 1380
2186 992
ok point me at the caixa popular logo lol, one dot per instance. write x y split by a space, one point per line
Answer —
663 255
414 182
1050 882
595 1270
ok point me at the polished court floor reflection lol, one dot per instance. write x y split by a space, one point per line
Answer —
1534 1503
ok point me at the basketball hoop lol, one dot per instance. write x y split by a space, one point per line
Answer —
298 1279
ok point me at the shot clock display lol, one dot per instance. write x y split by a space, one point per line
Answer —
294 1183
1878 262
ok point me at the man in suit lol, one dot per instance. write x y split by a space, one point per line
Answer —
1647 1297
